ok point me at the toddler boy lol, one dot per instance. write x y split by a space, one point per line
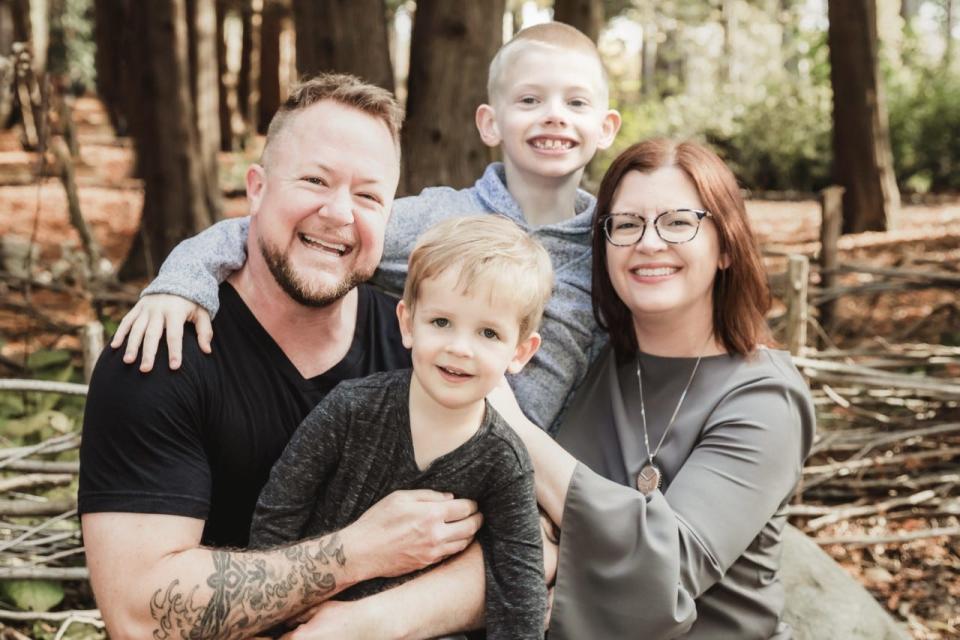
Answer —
548 110
473 301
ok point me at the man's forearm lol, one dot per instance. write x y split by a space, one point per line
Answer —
445 600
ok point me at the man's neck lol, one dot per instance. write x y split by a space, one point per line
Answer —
437 430
543 200
314 339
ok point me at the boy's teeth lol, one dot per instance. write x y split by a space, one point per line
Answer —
317 242
552 145
652 273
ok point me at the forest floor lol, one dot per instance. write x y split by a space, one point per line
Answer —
918 581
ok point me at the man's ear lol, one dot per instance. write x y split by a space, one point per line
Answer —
486 118
609 128
405 319
256 182
524 352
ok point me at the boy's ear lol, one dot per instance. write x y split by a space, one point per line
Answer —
524 352
404 318
609 128
486 118
256 182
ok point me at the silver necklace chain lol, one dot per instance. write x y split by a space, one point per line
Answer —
649 477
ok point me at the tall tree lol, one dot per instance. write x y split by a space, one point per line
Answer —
585 15
275 16
862 160
205 92
163 124
110 33
348 36
439 142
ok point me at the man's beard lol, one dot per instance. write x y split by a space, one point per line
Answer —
294 286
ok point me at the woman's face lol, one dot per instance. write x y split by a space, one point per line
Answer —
655 279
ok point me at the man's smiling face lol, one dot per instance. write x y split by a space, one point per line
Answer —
322 200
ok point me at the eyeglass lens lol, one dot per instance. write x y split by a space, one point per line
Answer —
671 226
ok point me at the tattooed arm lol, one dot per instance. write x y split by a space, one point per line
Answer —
153 580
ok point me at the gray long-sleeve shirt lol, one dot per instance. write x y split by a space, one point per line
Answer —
356 447
571 338
698 558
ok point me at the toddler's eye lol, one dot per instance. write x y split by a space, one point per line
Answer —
490 334
440 323
579 102
528 100
316 180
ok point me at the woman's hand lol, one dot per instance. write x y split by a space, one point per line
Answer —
145 323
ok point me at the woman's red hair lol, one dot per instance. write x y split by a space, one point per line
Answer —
741 297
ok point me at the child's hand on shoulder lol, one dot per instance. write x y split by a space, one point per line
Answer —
146 322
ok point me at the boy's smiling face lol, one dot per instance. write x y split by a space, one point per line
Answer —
462 342
549 113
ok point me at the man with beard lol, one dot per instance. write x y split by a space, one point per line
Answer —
172 462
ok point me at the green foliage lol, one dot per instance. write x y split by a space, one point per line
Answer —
924 121
32 595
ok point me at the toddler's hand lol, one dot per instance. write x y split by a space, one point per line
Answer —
145 323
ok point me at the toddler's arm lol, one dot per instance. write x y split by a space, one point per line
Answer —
191 276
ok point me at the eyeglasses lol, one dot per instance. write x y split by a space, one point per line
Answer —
675 226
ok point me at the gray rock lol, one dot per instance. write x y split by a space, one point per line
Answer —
824 602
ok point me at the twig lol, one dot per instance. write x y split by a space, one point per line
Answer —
17 483
860 541
44 386
43 466
48 616
77 619
879 461
40 527
23 508
869 509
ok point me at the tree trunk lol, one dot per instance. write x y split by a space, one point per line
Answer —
248 84
948 13
585 15
862 160
274 16
205 90
111 22
648 61
347 36
163 124
225 106
728 63
440 145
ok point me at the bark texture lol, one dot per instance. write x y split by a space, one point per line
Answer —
163 126
862 160
585 15
346 36
452 45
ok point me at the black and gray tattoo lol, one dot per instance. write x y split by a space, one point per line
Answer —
251 592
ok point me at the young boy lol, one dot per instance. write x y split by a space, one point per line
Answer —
548 110
473 301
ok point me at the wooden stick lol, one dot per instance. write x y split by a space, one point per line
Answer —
40 527
30 481
23 508
44 386
860 541
879 461
798 274
869 509
831 223
43 466
48 616
67 177
91 339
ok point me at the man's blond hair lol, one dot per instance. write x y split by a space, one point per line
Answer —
343 89
556 35
491 253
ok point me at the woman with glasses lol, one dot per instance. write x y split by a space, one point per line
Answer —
670 471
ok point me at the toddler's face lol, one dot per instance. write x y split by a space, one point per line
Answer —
550 114
462 343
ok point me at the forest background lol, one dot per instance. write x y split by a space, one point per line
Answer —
126 127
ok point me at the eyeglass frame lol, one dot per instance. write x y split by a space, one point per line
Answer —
700 213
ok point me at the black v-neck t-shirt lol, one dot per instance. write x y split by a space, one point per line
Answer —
200 441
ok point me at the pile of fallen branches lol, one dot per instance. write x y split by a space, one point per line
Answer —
881 489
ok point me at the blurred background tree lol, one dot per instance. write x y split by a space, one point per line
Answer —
751 77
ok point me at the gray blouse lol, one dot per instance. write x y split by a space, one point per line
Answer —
698 558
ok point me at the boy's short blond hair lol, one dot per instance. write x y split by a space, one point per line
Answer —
490 251
550 34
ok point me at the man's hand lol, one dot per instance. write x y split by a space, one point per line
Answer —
409 530
145 323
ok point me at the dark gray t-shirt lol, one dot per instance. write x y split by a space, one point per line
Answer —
355 448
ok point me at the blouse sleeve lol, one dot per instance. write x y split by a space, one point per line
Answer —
630 563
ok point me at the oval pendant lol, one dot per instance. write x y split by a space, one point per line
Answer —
648 480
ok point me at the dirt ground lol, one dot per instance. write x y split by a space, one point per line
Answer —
919 580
